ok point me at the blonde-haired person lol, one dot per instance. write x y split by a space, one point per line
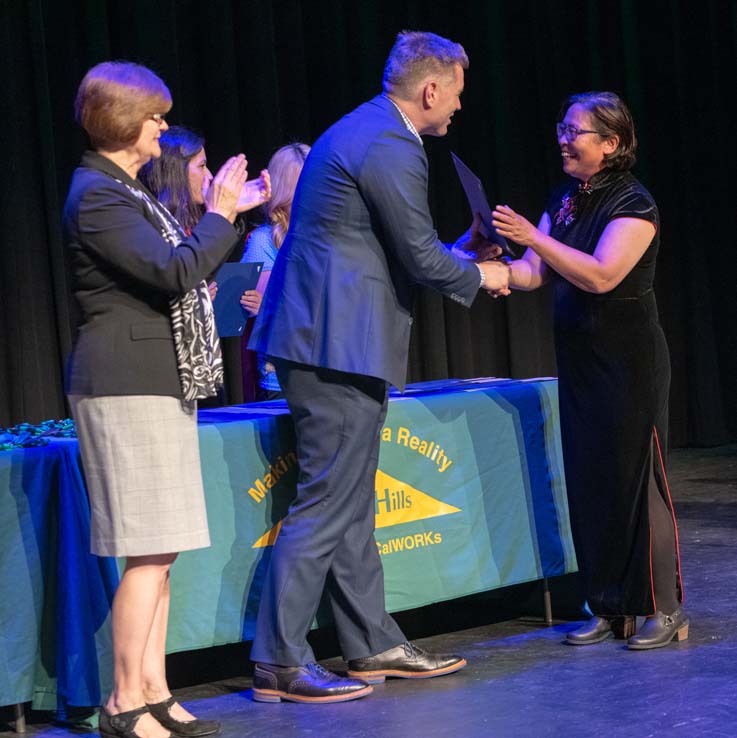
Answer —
145 352
264 242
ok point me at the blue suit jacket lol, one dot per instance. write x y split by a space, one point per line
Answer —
360 236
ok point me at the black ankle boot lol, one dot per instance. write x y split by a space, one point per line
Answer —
659 630
594 631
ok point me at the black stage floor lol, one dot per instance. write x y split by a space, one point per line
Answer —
521 680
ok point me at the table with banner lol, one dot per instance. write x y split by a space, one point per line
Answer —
470 496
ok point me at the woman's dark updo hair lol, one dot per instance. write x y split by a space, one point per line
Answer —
610 117
167 176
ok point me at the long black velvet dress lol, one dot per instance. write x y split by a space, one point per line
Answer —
614 377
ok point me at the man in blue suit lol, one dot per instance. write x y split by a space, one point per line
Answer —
336 321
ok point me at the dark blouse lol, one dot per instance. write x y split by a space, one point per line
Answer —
578 218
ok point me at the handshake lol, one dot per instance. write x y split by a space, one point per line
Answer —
487 255
497 275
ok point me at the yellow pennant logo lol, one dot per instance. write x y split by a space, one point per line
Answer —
396 502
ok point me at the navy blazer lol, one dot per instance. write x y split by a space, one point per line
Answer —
124 274
360 236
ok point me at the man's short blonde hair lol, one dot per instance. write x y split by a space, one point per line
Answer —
416 55
113 101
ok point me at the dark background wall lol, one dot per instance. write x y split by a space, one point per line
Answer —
252 75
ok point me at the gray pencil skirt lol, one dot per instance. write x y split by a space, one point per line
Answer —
141 461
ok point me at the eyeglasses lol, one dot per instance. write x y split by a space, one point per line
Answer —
158 117
570 133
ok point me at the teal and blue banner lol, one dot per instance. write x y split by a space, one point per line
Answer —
470 496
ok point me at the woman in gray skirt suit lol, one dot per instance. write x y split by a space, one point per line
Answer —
146 351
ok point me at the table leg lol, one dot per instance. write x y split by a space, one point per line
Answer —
19 717
546 603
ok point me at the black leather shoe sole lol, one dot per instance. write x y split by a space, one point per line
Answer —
379 675
277 695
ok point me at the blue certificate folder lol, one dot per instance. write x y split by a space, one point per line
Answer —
233 280
479 203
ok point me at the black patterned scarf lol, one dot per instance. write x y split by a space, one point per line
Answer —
196 339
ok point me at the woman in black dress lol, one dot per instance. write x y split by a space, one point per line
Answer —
597 241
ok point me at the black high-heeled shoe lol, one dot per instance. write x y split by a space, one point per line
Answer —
187 728
122 725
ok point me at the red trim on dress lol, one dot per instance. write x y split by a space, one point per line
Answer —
652 578
672 513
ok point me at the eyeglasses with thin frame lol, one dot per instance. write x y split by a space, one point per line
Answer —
158 117
569 132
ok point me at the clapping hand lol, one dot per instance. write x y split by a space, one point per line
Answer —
255 192
222 195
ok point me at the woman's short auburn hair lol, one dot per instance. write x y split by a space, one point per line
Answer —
115 98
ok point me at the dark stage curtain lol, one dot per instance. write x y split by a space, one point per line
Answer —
252 75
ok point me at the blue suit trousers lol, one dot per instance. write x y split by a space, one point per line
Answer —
326 542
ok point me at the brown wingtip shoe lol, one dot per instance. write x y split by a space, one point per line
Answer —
311 683
406 661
